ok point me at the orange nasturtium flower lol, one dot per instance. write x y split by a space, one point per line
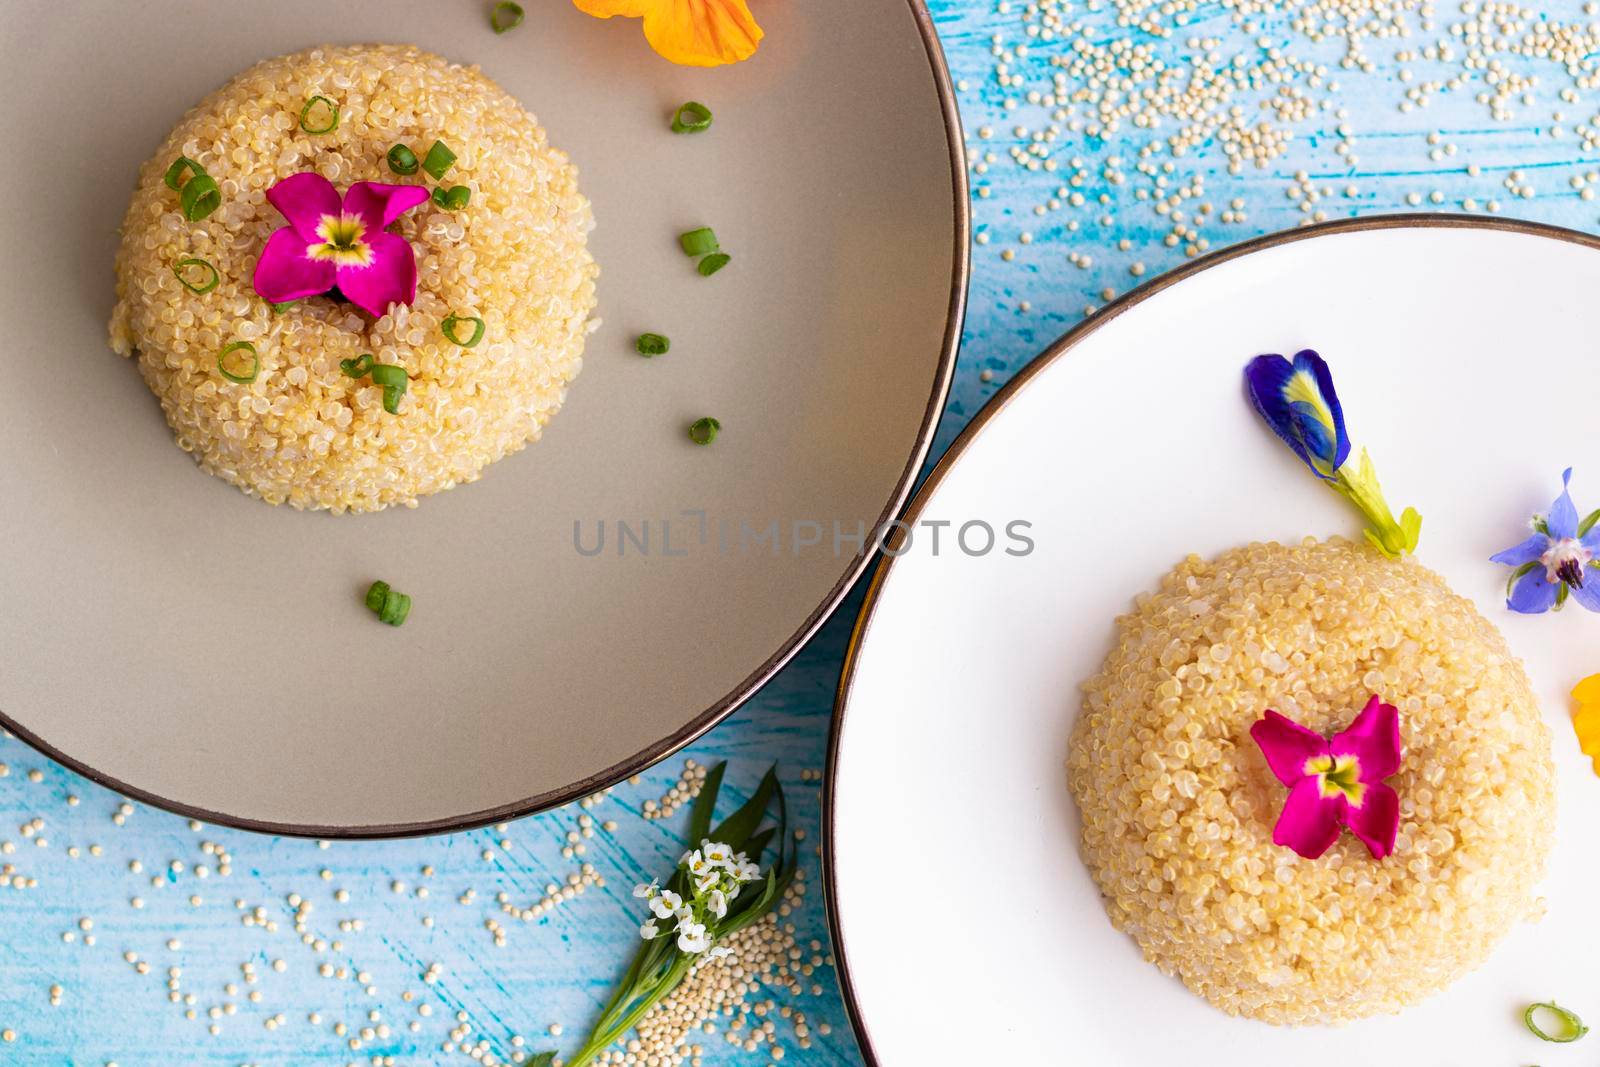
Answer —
1586 720
693 33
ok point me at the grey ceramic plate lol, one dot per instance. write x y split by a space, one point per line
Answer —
165 634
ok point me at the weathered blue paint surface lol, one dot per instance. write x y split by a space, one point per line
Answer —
559 968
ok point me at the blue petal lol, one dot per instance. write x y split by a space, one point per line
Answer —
1589 594
1533 594
1531 549
1291 398
1563 517
1314 432
1309 361
1591 541
1265 377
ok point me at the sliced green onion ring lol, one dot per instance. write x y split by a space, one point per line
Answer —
205 287
358 367
505 16
199 197
691 118
698 242
174 175
402 160
452 199
391 607
333 118
448 326
703 431
239 376
396 606
389 374
438 160
394 379
713 263
1572 1027
652 344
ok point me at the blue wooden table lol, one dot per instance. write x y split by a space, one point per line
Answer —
1108 142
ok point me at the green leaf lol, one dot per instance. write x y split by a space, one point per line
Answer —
1588 524
705 803
754 847
736 829
1562 592
543 1059
747 900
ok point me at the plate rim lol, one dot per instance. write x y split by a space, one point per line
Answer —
955 313
1048 357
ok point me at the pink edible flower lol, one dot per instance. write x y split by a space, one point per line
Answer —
1337 783
339 242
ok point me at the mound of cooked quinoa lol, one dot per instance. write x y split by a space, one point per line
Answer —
304 433
1178 804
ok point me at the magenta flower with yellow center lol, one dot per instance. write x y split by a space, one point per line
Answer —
1334 783
333 241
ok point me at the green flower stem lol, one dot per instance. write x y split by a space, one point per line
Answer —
1361 488
604 1035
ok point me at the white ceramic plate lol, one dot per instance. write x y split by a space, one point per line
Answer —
177 640
1463 354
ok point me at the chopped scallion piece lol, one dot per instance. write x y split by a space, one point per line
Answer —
438 160
211 276
199 197
713 263
691 118
391 607
402 160
505 16
359 367
174 175
236 369
1571 1029
396 606
704 431
452 321
698 242
388 374
452 199
652 344
393 378
333 116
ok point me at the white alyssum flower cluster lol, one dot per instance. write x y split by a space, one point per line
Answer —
713 876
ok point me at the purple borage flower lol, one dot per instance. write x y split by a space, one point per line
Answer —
1297 400
333 241
1560 560
1335 783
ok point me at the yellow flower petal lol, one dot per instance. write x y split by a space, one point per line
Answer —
1588 690
604 9
1586 720
702 33
1588 731
693 33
